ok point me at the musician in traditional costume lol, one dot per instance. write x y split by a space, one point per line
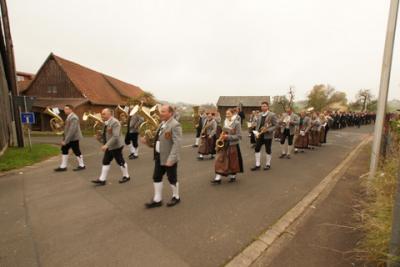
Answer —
266 124
302 133
112 148
166 157
208 137
199 127
71 136
252 124
315 131
328 123
288 126
132 135
278 133
324 122
229 158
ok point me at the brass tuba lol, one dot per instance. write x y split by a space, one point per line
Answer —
56 123
98 124
122 114
148 128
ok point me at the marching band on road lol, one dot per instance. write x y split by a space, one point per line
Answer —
159 128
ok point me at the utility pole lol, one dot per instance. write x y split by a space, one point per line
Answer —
384 86
11 70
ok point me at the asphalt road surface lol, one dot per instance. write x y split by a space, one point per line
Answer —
61 219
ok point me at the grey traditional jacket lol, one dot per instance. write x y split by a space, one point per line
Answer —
112 134
292 124
212 129
271 121
170 137
134 123
72 129
234 131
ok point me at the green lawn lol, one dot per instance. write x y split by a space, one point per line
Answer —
15 158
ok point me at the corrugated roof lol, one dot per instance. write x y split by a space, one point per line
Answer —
245 101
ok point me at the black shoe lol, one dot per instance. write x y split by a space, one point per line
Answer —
98 182
215 181
153 204
79 168
132 156
124 180
296 151
288 156
59 169
200 158
266 168
232 180
174 201
282 156
195 146
255 168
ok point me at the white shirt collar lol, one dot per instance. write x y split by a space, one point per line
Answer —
107 122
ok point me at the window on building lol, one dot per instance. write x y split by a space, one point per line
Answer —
52 89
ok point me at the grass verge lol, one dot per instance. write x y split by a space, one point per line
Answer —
15 158
377 211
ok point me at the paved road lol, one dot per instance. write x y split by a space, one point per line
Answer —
61 219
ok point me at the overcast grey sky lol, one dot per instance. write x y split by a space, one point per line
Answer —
194 51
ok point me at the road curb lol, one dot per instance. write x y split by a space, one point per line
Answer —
252 252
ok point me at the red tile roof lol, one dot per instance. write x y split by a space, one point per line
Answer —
58 102
97 87
23 85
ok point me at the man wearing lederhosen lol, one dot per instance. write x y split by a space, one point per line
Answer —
266 125
72 135
288 127
112 148
199 127
131 137
166 157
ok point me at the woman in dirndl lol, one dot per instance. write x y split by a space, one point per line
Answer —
302 133
315 131
229 159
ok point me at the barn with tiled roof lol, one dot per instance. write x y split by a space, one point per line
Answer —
60 81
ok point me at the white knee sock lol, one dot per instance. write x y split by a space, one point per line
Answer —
217 177
136 153
131 148
80 161
104 172
197 141
157 191
283 148
258 159
64 161
269 157
175 190
124 170
290 149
